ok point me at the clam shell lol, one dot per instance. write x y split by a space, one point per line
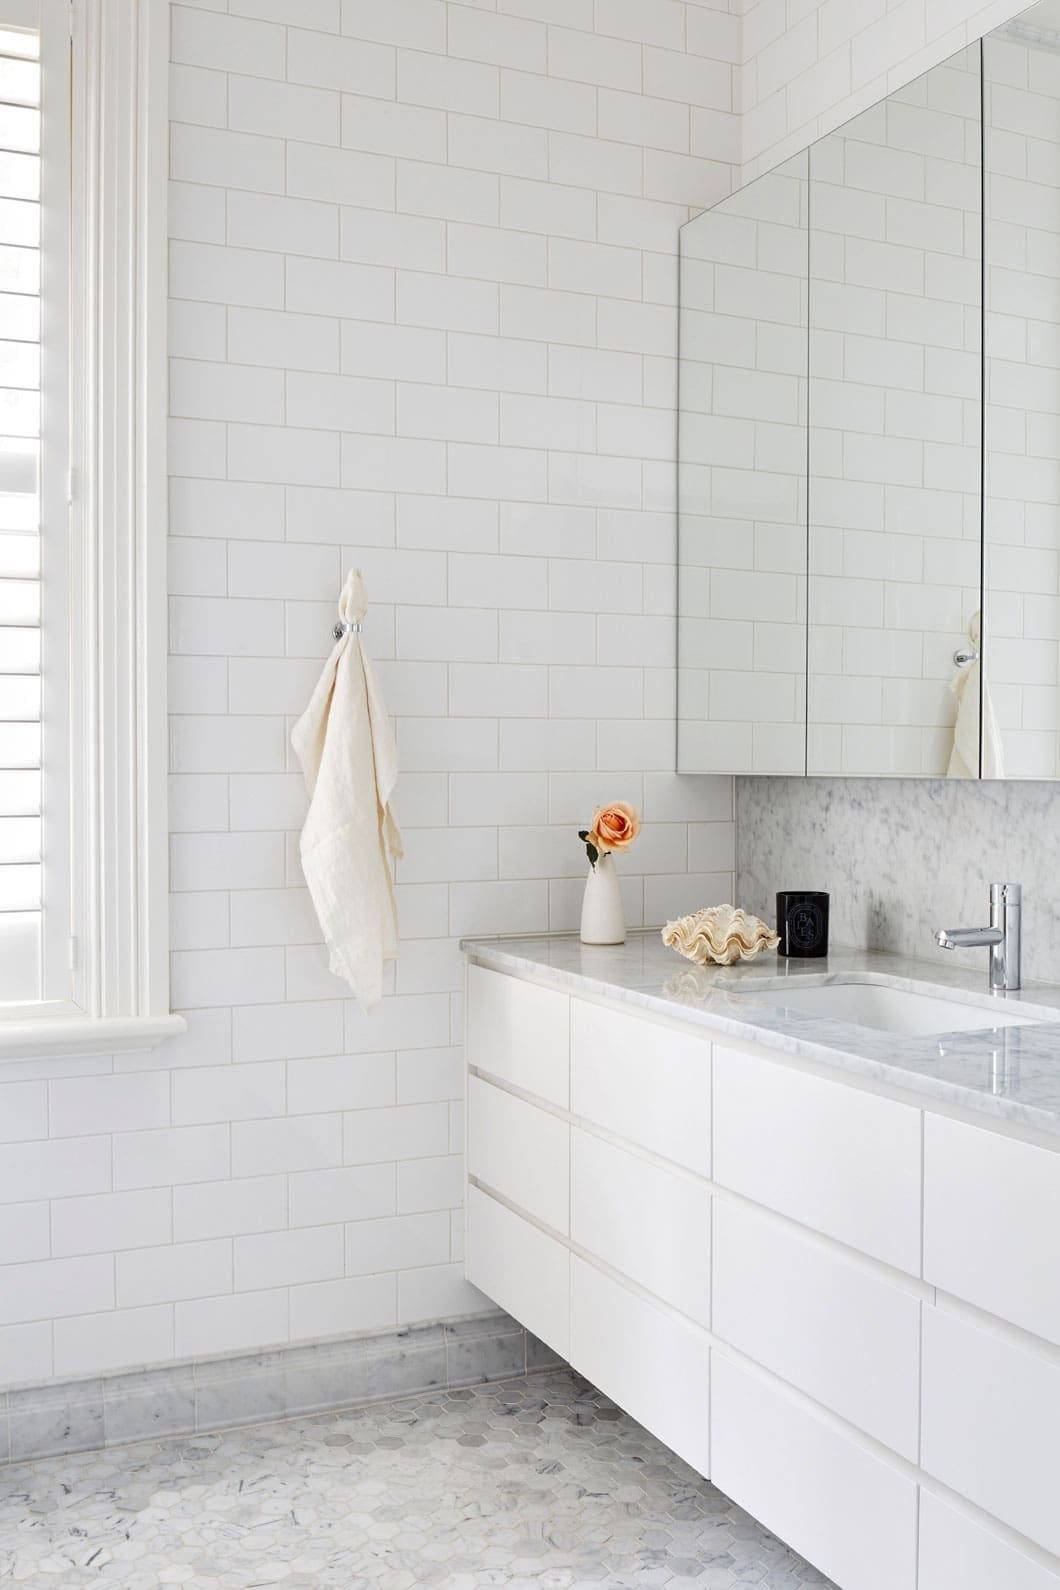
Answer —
721 934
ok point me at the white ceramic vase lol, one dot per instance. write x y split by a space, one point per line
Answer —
603 919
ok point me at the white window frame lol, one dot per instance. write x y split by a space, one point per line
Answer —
115 924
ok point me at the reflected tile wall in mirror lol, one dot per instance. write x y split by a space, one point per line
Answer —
895 371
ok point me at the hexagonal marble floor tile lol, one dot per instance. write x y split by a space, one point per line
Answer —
539 1484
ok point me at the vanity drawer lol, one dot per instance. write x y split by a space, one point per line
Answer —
991 1233
954 1551
991 1425
847 1338
519 1032
842 1161
652 1363
844 1509
642 1080
651 1223
521 1152
520 1268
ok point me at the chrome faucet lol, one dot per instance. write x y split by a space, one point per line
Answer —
1003 936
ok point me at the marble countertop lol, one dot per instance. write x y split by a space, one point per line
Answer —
1007 1072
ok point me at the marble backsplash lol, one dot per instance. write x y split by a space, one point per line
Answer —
902 857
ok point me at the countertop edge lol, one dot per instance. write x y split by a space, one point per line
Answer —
495 955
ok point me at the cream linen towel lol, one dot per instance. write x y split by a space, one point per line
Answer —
346 747
964 759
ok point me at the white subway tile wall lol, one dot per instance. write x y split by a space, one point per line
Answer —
423 280
807 66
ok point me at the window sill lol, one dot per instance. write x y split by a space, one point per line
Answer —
45 1037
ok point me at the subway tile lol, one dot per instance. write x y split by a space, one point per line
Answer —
170 1156
504 147
593 58
226 159
306 1142
402 1242
547 102
288 1258
25 1234
196 212
377 237
284 455
98 1343
198 95
322 15
498 472
283 110
266 221
328 1308
353 65
340 1082
385 127
196 331
222 274
447 83
62 1168
229 44
387 463
339 176
331 287
169 1274
501 40
446 303
428 189
547 208
225 976
228 1208
420 23
206 1326
280 1032
504 364
79 1106
353 1192
449 524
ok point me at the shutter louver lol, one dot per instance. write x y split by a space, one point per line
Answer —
21 851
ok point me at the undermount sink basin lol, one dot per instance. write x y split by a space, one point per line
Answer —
895 1010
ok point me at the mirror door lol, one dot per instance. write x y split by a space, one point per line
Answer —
894 433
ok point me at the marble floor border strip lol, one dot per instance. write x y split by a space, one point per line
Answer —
224 1393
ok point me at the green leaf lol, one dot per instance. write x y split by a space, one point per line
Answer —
583 833
593 854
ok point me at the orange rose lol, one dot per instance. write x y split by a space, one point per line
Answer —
614 827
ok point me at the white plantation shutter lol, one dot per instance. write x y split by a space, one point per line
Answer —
84 948
22 843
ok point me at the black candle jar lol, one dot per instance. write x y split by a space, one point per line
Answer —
802 922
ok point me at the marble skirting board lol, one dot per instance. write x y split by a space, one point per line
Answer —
902 857
221 1393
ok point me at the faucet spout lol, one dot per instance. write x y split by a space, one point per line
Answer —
1003 937
967 938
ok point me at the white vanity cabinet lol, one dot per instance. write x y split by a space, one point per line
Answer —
836 1300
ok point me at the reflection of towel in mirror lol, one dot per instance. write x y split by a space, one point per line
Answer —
964 759
345 744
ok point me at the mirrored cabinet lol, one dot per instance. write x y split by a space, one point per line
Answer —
870 439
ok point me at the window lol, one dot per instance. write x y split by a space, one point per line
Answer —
21 850
83 946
